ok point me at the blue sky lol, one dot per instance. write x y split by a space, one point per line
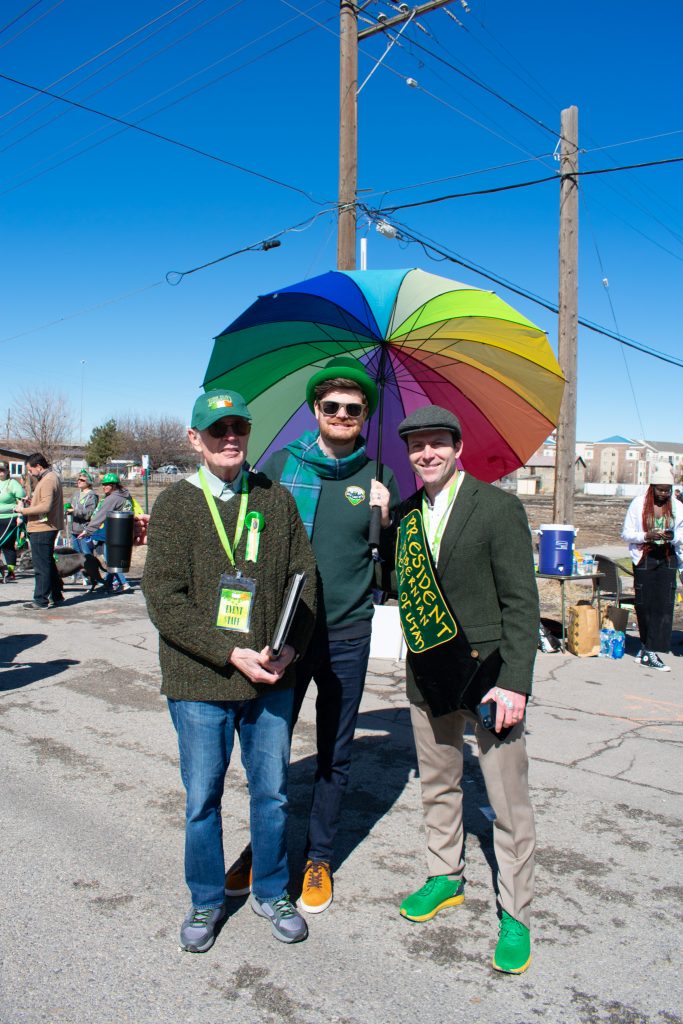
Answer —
91 213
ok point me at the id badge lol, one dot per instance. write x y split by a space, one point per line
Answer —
235 603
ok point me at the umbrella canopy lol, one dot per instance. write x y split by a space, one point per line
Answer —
425 339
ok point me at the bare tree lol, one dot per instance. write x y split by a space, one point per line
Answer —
163 438
44 421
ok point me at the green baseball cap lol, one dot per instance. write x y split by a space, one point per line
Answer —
348 369
214 405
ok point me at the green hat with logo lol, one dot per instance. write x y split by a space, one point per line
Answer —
110 478
214 405
346 368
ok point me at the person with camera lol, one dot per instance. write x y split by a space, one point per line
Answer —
653 529
44 515
469 611
223 548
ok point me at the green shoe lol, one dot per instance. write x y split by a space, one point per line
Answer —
513 952
438 892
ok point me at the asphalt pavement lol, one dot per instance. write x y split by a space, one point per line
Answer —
92 845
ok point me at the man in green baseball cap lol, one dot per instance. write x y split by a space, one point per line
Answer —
223 547
333 483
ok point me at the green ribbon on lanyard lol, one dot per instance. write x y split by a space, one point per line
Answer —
215 514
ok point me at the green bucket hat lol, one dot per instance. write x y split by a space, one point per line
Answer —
214 405
348 369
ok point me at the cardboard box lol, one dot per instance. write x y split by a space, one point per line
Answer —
615 617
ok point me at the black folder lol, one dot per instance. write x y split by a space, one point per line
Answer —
287 613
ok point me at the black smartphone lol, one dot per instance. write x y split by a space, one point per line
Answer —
486 713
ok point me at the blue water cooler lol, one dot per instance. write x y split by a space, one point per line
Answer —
556 549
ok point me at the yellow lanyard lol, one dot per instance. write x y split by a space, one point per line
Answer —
215 514
427 512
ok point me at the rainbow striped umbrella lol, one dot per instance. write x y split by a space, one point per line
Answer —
425 339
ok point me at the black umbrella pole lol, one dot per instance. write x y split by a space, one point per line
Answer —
376 512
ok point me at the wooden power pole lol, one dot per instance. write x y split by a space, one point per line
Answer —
567 327
348 135
348 115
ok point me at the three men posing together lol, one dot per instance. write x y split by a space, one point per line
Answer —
229 533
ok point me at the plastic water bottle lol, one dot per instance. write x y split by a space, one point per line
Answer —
606 643
617 644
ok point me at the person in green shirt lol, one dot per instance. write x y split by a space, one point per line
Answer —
11 492
332 480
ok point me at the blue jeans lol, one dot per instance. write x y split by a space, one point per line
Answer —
84 546
339 673
206 735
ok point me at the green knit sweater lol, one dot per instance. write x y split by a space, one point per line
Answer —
185 559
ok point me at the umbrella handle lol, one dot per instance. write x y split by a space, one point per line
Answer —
374 531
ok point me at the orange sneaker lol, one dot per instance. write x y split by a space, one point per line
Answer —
238 876
316 894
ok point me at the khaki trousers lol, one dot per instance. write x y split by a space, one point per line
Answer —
439 743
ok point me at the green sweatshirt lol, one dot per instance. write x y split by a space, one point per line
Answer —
340 546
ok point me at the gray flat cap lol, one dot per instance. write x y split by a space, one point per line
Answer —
430 417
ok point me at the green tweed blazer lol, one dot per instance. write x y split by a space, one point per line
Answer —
486 571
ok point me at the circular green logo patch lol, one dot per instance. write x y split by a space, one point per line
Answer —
354 494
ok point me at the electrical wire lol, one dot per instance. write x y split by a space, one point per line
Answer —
18 17
162 138
119 78
30 26
605 284
482 85
90 60
528 184
261 244
430 247
174 277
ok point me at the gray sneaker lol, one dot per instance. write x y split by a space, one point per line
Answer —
198 930
286 922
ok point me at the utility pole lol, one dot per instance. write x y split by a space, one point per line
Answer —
567 326
348 135
348 114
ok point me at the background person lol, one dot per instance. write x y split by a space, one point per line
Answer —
83 505
480 545
332 481
116 499
653 529
44 515
218 680
11 492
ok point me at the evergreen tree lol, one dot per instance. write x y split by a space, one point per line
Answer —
105 444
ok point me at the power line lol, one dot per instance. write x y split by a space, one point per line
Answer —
34 22
428 246
605 284
90 60
528 184
119 78
18 17
162 138
482 85
263 244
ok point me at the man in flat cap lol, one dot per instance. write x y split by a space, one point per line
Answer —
469 612
332 481
223 548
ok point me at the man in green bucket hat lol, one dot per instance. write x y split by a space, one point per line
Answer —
332 480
